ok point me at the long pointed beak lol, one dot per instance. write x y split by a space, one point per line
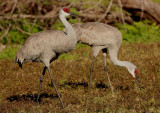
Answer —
138 82
72 14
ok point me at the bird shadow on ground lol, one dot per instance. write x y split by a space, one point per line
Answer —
83 84
74 84
105 86
30 97
33 97
97 85
101 85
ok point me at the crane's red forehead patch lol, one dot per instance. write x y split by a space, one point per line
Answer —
65 9
136 71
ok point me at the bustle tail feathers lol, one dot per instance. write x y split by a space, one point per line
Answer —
19 59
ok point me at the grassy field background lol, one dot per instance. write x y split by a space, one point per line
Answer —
71 72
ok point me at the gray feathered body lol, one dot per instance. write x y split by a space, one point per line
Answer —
101 36
46 46
94 33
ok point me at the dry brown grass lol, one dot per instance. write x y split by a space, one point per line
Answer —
18 88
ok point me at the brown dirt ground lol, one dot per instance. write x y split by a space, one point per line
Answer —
18 88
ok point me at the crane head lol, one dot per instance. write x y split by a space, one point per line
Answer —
134 73
65 12
65 9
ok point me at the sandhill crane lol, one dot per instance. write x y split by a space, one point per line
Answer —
103 37
46 46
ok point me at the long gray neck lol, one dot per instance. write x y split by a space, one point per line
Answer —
70 31
113 56
121 63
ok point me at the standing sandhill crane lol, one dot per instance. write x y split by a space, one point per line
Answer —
46 46
103 37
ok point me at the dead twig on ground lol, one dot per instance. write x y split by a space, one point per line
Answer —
21 30
28 16
9 27
121 8
1 27
97 4
108 9
113 17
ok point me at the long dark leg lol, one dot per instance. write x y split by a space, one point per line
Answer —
96 50
40 84
51 81
91 70
105 69
55 87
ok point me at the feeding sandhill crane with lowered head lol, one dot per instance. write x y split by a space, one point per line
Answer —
46 46
103 37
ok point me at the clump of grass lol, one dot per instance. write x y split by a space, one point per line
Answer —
68 56
140 32
20 32
79 45
158 1
9 52
74 10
